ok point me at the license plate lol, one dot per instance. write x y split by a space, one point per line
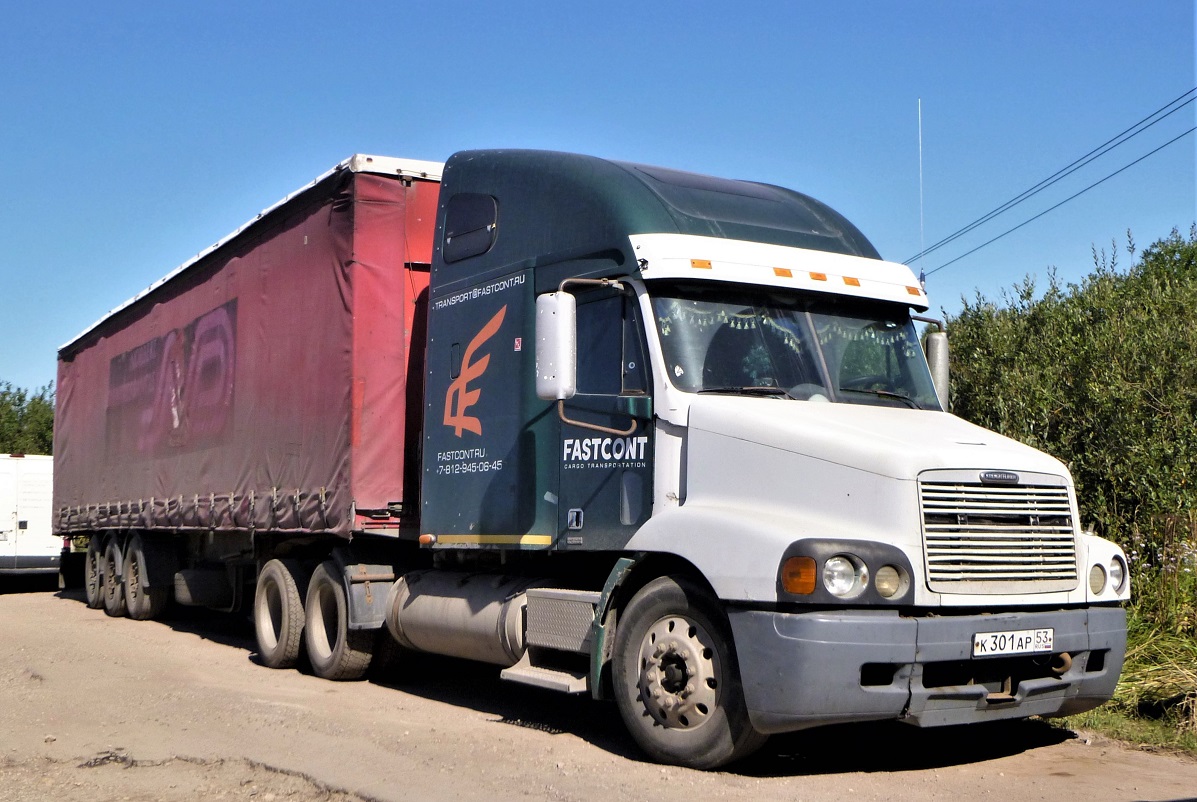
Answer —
1019 641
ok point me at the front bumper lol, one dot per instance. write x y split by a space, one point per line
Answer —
807 669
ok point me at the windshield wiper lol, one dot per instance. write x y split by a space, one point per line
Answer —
734 390
907 400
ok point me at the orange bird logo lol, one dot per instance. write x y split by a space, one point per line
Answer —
459 397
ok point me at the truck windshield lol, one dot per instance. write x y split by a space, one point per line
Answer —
751 340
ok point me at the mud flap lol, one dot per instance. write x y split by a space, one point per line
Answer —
367 587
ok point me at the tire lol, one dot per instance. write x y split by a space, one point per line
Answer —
335 651
93 572
111 583
677 682
278 612
143 603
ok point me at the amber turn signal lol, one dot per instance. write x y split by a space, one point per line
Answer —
798 576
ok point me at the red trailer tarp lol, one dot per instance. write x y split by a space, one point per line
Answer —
265 386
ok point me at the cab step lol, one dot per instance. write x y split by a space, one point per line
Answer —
559 636
553 679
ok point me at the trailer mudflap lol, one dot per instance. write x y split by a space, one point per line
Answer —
367 587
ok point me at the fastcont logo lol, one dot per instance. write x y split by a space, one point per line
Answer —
459 397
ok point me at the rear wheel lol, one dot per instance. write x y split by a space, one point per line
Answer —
93 572
278 612
677 682
336 651
143 602
111 584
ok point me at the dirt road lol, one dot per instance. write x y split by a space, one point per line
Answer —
94 708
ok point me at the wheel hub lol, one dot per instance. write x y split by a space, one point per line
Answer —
679 673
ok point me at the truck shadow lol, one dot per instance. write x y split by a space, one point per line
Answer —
27 583
870 747
894 747
478 686
228 629
887 747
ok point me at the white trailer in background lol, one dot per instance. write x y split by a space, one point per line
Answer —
27 543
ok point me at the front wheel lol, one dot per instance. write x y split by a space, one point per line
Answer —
677 683
336 651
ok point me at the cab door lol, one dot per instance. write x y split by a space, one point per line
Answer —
606 428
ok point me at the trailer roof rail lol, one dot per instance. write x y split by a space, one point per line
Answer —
357 163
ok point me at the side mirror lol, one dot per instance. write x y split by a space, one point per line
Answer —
937 359
556 346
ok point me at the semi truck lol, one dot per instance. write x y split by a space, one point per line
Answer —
619 430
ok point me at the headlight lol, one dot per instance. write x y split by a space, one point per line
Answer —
843 576
1117 574
832 572
889 581
1097 579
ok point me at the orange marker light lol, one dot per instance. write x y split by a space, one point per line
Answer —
914 291
701 264
798 576
851 282
427 540
818 276
784 272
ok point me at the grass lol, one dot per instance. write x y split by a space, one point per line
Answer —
1162 734
1155 705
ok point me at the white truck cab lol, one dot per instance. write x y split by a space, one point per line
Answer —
927 569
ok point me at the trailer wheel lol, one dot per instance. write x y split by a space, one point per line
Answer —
278 612
144 603
336 651
111 584
93 572
677 683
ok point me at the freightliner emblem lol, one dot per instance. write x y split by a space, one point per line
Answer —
999 477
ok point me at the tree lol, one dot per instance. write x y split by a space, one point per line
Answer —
1101 374
26 420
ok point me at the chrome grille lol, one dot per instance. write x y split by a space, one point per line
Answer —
984 538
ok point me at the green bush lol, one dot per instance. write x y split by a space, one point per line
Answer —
1103 375
26 420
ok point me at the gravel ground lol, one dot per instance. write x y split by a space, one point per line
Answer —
96 708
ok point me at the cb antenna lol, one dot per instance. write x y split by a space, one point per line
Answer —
922 236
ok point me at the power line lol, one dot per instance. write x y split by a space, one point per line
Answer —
1066 200
1100 150
1097 152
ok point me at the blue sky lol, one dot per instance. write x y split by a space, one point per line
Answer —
135 134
